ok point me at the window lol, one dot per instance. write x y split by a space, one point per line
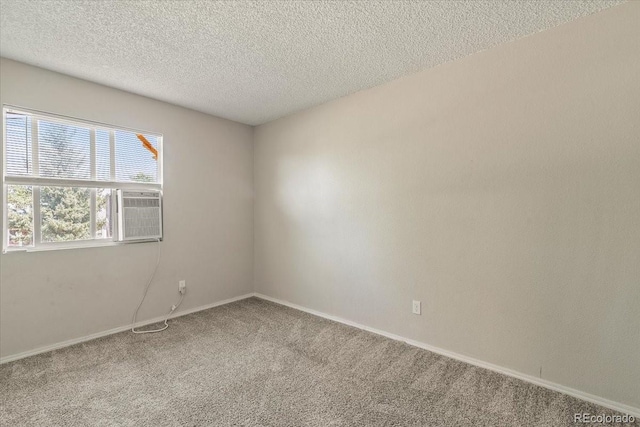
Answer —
63 179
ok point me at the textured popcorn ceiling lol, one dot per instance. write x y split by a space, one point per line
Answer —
256 61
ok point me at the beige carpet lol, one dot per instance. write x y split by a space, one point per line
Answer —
255 363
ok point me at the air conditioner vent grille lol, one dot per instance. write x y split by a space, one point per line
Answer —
141 203
141 215
141 222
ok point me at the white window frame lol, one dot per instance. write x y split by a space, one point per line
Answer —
92 184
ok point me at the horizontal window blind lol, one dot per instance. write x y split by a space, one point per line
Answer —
64 151
18 145
134 162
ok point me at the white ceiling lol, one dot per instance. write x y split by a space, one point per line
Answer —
256 61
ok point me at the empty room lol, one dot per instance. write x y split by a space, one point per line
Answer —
320 213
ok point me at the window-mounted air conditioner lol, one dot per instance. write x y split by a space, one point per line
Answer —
139 215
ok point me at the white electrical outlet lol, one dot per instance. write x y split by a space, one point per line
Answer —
182 286
416 307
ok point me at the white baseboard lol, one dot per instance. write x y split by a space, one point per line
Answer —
68 343
620 407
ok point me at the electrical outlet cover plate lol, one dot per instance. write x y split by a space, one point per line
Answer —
416 307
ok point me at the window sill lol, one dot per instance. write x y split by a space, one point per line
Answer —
74 245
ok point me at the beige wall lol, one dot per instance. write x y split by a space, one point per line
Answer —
501 190
49 297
